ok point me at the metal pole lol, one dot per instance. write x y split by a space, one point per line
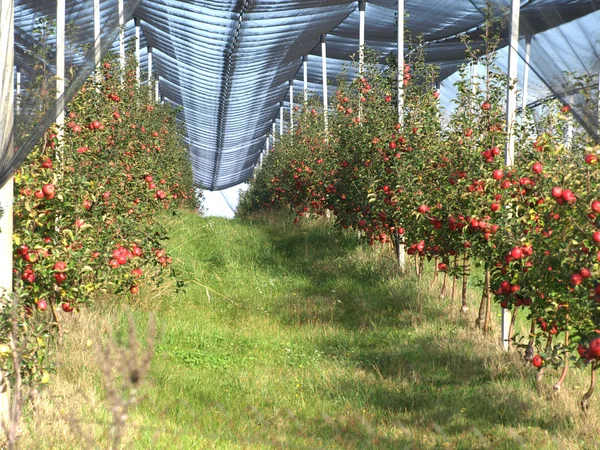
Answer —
150 73
305 64
526 79
97 25
362 6
474 85
400 82
511 106
121 37
157 89
569 133
60 65
7 32
281 119
137 50
291 105
18 99
325 100
400 45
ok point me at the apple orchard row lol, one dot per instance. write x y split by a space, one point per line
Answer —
438 184
87 208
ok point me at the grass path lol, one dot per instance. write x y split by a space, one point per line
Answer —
300 338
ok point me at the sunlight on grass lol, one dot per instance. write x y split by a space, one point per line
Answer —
300 337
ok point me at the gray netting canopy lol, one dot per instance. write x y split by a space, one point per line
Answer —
228 63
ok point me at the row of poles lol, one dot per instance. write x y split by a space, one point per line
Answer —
511 97
8 88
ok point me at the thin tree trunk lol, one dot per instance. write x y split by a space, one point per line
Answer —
454 280
511 328
479 321
464 308
529 354
487 323
565 369
590 392
443 292
421 261
435 269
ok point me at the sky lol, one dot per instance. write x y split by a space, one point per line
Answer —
222 203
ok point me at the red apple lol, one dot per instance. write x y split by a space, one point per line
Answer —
42 305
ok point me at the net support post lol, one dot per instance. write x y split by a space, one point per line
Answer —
137 49
97 48
400 105
291 105
324 70
6 191
18 90
158 98
362 7
121 38
511 110
150 68
525 91
305 79
60 66
281 119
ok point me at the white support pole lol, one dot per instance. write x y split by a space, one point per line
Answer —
570 130
474 85
291 105
121 37
137 50
511 107
400 45
525 92
150 75
157 90
325 100
273 132
60 64
362 6
6 192
305 67
18 93
268 143
281 119
400 82
97 26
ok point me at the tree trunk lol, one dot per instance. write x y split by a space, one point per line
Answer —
511 328
454 280
464 308
590 392
487 323
481 314
443 292
529 353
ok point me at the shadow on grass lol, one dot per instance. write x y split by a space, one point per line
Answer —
345 283
425 380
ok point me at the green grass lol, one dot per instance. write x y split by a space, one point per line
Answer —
302 338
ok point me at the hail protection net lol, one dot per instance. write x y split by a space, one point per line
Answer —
228 63
37 102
